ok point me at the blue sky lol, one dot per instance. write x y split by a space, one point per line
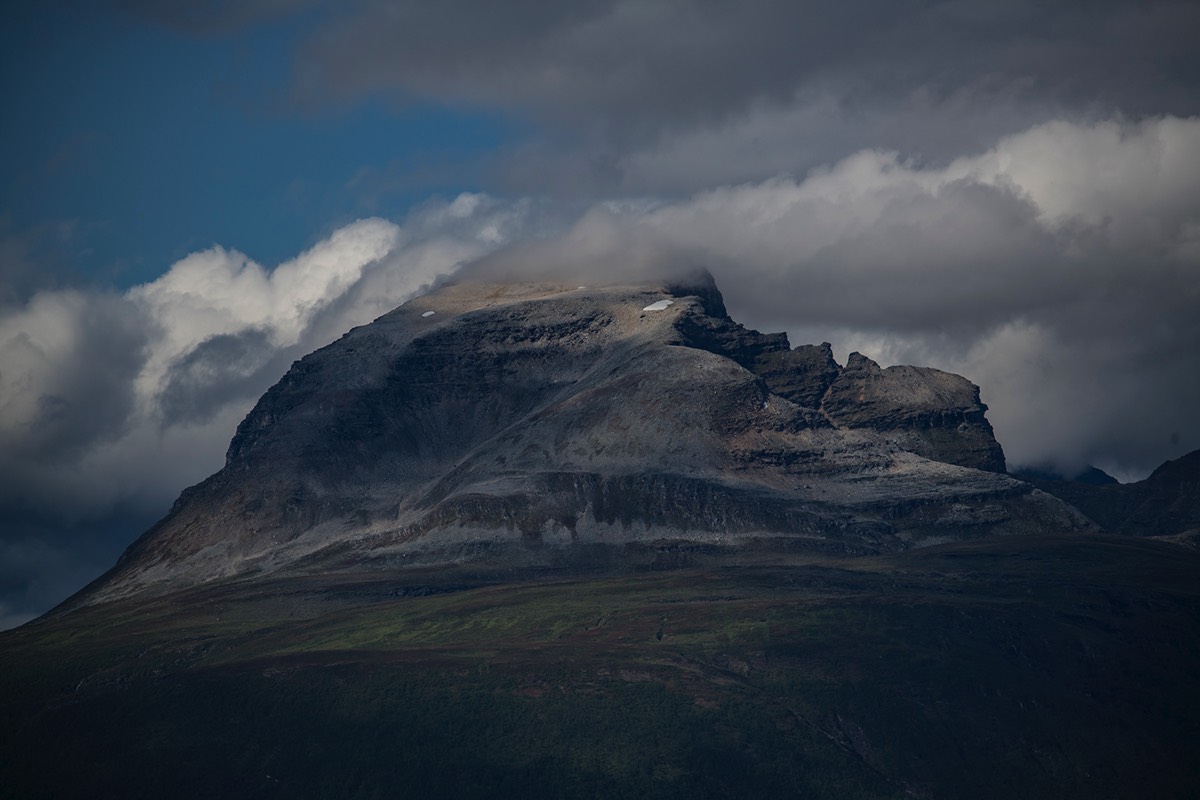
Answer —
194 193
132 144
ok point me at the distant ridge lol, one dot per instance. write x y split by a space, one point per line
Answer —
1165 504
1092 476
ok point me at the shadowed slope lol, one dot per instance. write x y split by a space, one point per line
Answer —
1166 503
1033 667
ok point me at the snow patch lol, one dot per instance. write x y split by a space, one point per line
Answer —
428 313
661 305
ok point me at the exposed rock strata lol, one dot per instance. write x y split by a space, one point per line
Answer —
534 424
926 411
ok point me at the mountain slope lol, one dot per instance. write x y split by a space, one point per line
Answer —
1033 667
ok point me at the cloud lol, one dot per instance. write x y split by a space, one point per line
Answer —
608 97
111 403
818 127
67 364
673 96
627 66
203 379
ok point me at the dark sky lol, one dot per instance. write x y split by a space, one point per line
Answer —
193 194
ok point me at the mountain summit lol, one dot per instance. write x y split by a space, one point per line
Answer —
541 425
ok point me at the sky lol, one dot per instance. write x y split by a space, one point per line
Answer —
194 194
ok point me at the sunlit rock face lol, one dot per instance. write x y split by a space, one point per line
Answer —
539 425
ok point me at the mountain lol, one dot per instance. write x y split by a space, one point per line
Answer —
1092 476
523 426
549 541
1167 503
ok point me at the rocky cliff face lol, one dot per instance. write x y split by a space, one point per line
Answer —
536 425
925 411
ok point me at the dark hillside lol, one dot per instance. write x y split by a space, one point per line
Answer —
1167 503
1031 667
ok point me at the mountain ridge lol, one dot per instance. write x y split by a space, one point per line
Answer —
1165 504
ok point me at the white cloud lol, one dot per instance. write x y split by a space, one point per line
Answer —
1137 181
108 399
221 291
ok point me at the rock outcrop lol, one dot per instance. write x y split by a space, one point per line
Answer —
527 426
925 411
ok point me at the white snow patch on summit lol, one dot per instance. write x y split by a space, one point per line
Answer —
661 305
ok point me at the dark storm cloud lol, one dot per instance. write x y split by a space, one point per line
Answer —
629 71
67 365
675 96
217 370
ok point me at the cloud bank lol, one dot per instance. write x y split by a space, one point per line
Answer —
675 96
630 69
681 95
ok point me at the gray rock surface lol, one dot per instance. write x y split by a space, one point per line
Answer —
926 411
537 425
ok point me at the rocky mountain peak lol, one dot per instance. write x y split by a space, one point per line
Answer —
543 425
